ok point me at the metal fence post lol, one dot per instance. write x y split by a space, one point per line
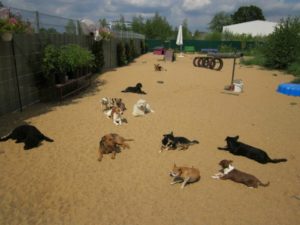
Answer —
78 28
37 19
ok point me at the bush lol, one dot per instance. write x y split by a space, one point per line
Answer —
68 59
121 55
143 47
294 68
97 50
283 46
256 58
75 58
132 50
128 53
215 36
227 48
52 67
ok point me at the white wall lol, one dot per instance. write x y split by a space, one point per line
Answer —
254 28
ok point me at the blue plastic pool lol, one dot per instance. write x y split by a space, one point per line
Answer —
289 89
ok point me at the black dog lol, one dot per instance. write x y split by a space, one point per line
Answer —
171 142
28 134
238 148
137 89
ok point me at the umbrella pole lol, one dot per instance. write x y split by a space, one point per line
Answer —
233 70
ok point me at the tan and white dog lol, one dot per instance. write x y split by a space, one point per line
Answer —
107 103
141 108
185 175
116 114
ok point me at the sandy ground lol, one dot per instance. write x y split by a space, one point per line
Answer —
63 183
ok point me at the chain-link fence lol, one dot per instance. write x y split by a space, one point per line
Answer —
45 23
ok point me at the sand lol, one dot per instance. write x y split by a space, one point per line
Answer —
63 183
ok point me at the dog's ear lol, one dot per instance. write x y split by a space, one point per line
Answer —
230 161
236 137
171 133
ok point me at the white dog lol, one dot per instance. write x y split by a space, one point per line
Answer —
141 108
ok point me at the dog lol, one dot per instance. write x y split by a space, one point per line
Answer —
28 134
137 89
116 114
158 67
112 143
108 103
238 148
229 172
170 142
141 108
185 175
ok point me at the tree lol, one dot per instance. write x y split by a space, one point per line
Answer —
121 24
138 24
219 20
283 46
198 35
70 28
103 23
186 34
158 27
247 13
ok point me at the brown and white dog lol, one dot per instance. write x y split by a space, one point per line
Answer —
185 175
112 143
107 103
229 172
116 114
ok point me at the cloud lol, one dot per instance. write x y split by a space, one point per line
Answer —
197 12
191 5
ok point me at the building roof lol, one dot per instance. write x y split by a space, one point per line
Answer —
254 28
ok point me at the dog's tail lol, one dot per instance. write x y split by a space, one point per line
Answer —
6 137
47 139
264 185
124 91
277 160
194 142
129 139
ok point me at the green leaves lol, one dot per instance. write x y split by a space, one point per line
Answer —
247 13
283 46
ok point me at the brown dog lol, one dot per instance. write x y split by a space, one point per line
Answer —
111 143
158 67
185 175
229 172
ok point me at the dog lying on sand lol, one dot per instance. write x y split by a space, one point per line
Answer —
170 142
107 103
137 89
141 108
185 175
112 143
229 172
28 134
116 114
238 148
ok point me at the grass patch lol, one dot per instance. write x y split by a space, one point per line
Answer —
257 59
294 68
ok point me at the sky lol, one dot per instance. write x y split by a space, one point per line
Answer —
197 12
